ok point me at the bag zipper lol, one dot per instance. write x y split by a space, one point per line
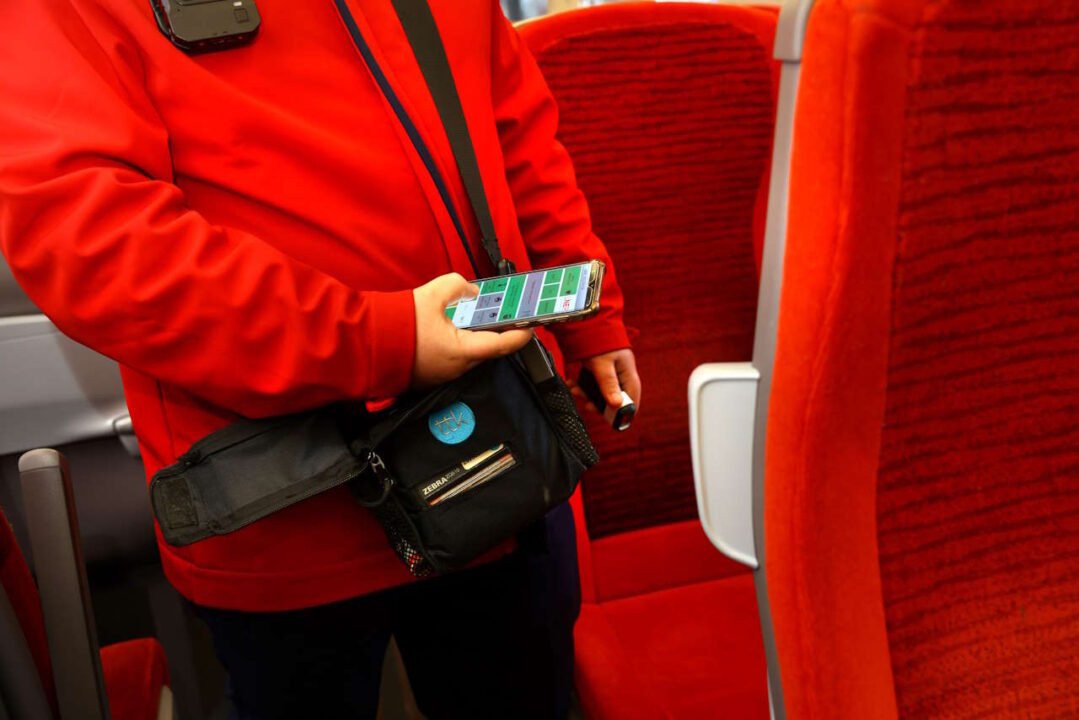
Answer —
428 492
382 473
478 477
227 437
406 122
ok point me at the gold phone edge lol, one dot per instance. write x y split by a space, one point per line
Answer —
595 284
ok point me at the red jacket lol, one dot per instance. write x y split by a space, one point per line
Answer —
241 231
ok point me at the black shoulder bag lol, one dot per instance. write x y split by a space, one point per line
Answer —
449 473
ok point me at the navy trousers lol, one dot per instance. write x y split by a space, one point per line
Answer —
491 642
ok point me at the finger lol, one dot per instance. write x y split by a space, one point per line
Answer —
450 288
578 393
607 379
484 345
631 383
514 340
628 378
590 407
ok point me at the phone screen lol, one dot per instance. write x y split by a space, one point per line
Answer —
527 298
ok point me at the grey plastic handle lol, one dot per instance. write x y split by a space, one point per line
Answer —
61 576
790 38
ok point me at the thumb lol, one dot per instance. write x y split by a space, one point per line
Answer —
607 379
449 288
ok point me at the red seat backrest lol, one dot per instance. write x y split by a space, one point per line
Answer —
667 111
19 585
922 479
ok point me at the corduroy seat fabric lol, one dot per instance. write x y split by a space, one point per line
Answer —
667 111
922 472
135 671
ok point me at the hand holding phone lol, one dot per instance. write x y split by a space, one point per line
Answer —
537 297
444 352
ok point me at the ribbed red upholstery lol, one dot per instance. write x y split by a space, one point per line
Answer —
667 111
922 472
135 671
978 498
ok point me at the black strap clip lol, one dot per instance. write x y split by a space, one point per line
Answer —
506 267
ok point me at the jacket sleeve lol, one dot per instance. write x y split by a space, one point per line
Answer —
551 210
102 241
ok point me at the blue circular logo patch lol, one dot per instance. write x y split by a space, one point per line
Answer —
453 424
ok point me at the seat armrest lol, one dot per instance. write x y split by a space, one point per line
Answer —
49 505
722 411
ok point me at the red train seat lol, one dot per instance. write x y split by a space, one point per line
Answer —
667 110
922 470
134 673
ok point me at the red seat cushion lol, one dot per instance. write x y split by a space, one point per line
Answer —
135 672
692 651
656 558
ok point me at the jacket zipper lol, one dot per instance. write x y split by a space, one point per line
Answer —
406 122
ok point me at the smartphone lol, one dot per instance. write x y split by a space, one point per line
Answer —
537 297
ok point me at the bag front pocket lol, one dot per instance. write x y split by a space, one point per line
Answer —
468 475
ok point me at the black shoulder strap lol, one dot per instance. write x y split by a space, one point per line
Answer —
422 33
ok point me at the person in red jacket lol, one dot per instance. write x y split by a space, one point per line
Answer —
251 233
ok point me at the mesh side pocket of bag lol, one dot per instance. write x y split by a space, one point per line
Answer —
402 537
559 402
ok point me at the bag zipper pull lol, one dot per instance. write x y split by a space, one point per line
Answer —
379 468
382 473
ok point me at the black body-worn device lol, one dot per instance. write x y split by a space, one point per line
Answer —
197 26
619 417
